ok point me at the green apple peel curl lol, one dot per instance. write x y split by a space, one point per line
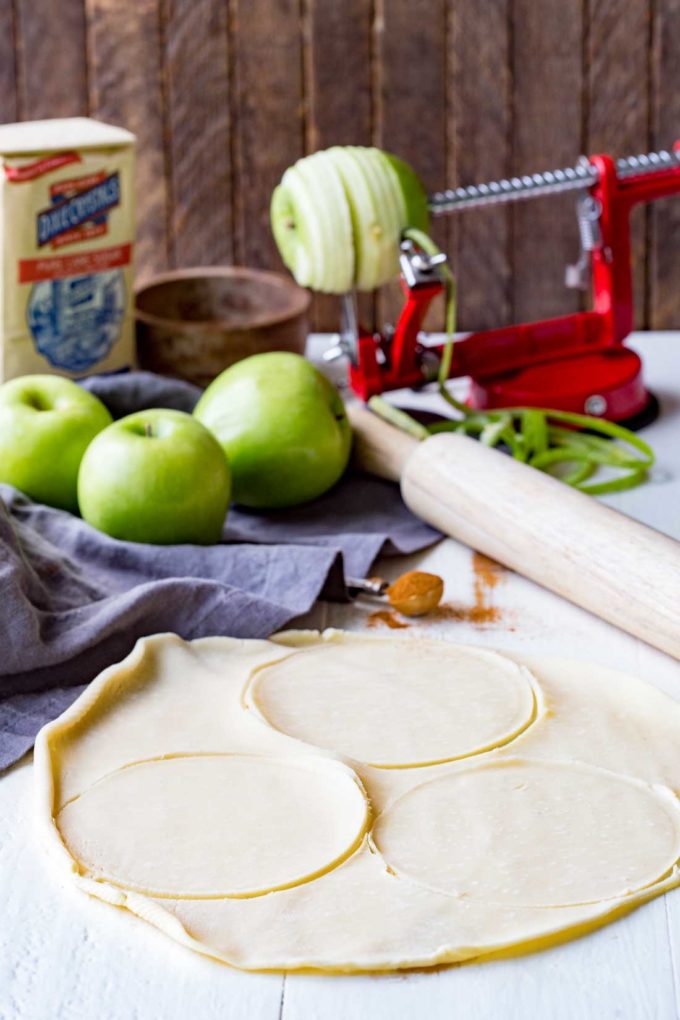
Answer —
532 435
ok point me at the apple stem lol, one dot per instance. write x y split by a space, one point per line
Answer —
148 431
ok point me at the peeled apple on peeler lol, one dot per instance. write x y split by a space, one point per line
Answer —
338 217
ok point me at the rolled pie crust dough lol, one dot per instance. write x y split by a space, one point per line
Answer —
344 803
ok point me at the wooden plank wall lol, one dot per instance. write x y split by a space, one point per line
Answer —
224 94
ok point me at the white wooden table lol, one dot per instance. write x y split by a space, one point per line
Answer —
64 956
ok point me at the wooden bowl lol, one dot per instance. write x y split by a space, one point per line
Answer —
193 323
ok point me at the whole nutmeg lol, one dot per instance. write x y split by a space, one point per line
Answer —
415 593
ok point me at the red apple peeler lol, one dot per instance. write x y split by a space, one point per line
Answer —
576 362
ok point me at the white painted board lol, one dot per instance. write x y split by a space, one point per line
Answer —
66 957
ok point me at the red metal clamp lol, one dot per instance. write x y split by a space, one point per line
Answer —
574 362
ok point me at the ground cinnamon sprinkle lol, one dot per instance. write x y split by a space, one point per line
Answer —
468 614
387 617
487 574
420 592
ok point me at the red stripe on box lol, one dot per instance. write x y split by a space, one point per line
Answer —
75 184
29 171
57 266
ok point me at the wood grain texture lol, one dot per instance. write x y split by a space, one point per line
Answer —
379 448
224 94
547 78
337 39
196 58
338 102
410 82
559 536
664 251
9 105
480 131
53 77
125 83
551 984
619 104
268 116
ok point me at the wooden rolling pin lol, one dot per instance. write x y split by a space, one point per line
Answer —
621 570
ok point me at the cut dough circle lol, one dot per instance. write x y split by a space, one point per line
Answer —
532 833
216 825
395 704
202 787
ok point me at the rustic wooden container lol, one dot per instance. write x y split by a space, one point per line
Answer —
193 323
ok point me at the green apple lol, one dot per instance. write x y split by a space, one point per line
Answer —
367 229
338 217
391 208
46 424
155 476
412 193
312 225
283 427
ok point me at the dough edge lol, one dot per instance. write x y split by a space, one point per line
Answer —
297 640
148 910
301 763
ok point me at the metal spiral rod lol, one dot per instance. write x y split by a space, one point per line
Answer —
580 177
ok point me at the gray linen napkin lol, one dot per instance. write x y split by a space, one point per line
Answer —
72 600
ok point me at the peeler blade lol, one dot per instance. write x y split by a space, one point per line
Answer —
348 338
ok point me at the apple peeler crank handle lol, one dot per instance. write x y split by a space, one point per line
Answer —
580 177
